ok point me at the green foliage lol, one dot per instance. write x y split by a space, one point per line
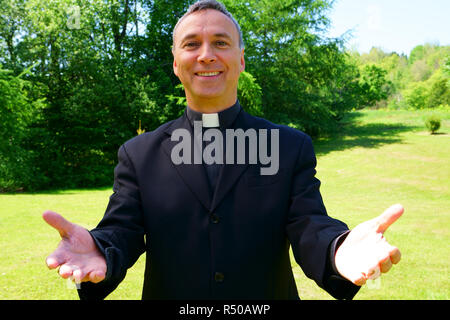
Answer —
373 84
100 73
417 54
420 81
15 116
428 94
305 78
433 123
439 93
97 68
17 111
250 94
416 96
446 67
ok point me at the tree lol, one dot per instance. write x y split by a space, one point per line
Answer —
417 53
16 113
420 70
100 72
416 95
302 73
11 19
374 86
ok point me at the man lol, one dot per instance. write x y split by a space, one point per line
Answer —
218 231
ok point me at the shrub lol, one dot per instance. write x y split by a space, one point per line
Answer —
417 95
433 123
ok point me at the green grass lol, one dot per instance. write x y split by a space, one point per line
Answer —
382 158
376 159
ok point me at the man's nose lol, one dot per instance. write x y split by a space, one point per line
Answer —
207 54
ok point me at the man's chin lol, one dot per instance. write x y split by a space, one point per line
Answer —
209 95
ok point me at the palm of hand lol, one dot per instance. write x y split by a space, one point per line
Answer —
77 255
365 252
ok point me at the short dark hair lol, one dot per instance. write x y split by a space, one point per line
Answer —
214 5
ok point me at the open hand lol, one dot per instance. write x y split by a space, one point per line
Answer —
77 255
365 252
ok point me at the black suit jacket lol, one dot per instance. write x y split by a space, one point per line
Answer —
229 244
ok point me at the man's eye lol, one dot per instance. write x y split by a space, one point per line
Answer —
221 43
191 44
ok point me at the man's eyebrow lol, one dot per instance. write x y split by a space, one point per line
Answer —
222 35
195 35
189 36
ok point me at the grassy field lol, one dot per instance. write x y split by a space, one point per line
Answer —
376 159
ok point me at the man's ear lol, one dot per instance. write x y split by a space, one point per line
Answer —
242 61
175 67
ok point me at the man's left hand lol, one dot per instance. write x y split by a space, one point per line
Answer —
365 253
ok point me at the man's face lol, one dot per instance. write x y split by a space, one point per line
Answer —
207 58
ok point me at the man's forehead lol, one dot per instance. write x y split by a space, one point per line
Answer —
210 20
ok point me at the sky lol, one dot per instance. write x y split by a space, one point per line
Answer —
392 25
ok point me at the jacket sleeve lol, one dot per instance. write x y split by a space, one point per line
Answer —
120 234
312 233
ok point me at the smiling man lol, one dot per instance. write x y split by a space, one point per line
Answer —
218 231
208 59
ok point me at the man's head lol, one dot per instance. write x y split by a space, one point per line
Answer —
208 56
209 4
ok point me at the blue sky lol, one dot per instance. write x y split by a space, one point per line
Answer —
393 25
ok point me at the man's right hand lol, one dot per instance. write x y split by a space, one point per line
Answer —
77 255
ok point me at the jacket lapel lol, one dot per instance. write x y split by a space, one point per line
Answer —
230 173
228 177
193 175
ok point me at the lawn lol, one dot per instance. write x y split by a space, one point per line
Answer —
376 159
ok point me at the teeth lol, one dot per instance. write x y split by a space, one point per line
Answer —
208 74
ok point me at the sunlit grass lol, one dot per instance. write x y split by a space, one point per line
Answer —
410 167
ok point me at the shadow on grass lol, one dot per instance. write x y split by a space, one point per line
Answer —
351 133
62 191
439 134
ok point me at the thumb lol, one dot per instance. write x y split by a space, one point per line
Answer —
58 222
388 217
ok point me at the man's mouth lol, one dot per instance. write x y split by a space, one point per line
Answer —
208 74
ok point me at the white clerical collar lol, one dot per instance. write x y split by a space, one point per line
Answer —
223 119
210 120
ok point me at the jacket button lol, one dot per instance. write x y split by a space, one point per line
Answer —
219 277
214 218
